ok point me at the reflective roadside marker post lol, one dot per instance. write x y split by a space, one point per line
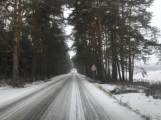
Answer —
93 68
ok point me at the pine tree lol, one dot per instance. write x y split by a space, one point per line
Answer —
117 31
39 48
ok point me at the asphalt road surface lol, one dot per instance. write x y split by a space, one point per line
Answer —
67 98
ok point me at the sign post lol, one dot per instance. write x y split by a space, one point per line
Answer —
93 68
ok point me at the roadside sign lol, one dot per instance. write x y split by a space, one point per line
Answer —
93 67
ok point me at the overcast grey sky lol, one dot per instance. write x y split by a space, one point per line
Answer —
156 9
156 21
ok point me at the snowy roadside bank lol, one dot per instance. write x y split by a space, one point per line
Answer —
135 97
110 104
147 107
9 94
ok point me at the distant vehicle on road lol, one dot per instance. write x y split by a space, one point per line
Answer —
74 71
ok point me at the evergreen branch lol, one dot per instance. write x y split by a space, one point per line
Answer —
7 9
41 1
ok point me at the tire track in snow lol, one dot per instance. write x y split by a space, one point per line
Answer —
76 108
92 110
101 106
59 108
40 109
15 107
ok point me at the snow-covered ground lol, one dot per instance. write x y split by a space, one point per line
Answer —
139 102
115 111
9 94
152 76
69 98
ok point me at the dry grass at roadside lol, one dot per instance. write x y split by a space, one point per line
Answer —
154 90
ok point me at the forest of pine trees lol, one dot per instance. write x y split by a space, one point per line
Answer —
112 34
32 41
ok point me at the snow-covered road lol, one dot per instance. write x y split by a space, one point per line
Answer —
68 97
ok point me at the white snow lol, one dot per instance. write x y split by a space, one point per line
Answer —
152 76
76 99
8 94
145 105
139 102
107 87
116 111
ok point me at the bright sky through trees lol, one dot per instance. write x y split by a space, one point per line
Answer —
68 30
156 8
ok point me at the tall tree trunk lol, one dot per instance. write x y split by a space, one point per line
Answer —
99 35
1 62
132 73
43 62
118 66
33 62
34 49
114 43
86 67
126 67
121 49
6 65
114 57
94 53
46 60
15 71
130 68
109 72
17 20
